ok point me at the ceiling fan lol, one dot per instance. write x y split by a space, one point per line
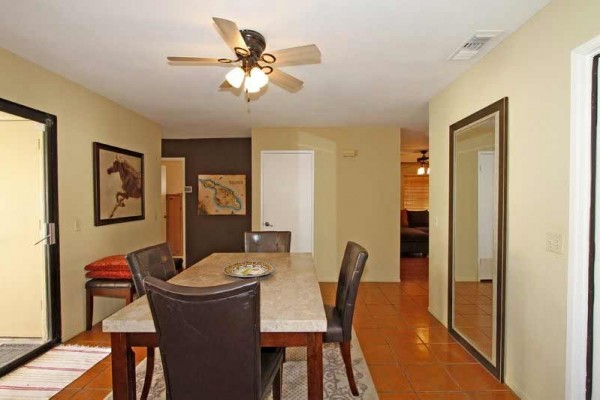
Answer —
254 68
423 162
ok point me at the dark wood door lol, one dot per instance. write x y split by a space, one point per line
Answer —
175 223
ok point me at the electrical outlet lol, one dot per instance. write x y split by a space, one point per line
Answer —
554 242
76 224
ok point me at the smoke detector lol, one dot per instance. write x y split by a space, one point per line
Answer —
473 45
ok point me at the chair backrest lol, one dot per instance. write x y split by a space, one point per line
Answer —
155 261
351 271
209 339
267 241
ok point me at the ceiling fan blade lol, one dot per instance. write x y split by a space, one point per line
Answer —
225 85
196 61
285 81
302 55
230 33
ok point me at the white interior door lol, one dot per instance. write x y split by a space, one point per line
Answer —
287 195
485 215
163 202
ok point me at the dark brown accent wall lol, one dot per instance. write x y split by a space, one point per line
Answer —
206 234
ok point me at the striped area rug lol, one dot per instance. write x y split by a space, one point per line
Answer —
48 374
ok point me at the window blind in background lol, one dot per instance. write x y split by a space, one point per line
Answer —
415 192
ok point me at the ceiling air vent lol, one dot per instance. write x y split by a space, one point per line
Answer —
471 47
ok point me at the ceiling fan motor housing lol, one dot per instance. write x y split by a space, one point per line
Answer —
255 41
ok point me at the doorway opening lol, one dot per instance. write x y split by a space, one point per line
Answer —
583 307
593 347
414 218
173 206
30 287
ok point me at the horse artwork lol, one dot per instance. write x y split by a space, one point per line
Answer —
131 182
119 185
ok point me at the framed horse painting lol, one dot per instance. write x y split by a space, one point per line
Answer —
118 185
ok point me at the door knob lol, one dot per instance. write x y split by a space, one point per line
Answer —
268 224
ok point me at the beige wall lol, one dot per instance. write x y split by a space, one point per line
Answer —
85 117
21 268
355 198
531 68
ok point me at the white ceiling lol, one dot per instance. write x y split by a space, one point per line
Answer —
382 60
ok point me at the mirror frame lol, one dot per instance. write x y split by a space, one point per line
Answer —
500 107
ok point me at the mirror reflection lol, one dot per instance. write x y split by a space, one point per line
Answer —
477 234
475 242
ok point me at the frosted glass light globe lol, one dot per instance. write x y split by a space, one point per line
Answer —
259 77
235 77
251 85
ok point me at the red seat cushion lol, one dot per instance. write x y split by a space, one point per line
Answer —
111 267
110 263
109 274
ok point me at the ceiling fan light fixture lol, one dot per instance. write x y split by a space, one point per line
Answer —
235 77
259 77
421 171
249 48
252 85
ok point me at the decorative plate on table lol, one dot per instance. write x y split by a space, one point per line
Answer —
249 269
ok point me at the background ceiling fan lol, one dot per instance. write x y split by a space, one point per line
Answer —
254 68
423 163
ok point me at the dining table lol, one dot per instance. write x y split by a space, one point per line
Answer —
291 314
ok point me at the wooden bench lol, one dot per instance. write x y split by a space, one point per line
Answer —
115 288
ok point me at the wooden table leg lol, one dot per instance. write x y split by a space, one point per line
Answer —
123 367
314 365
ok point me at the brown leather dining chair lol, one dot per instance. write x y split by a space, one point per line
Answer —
267 241
339 317
209 340
155 261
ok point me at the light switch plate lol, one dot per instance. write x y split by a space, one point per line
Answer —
76 224
554 242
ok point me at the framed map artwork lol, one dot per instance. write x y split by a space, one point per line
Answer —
221 194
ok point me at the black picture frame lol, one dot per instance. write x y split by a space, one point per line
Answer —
132 188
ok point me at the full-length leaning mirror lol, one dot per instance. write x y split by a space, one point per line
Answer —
477 234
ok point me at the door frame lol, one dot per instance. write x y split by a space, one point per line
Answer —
183 198
53 251
580 235
312 188
484 153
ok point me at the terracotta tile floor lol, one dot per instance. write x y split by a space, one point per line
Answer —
410 354
474 313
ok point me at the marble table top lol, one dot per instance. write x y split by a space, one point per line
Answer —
290 298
